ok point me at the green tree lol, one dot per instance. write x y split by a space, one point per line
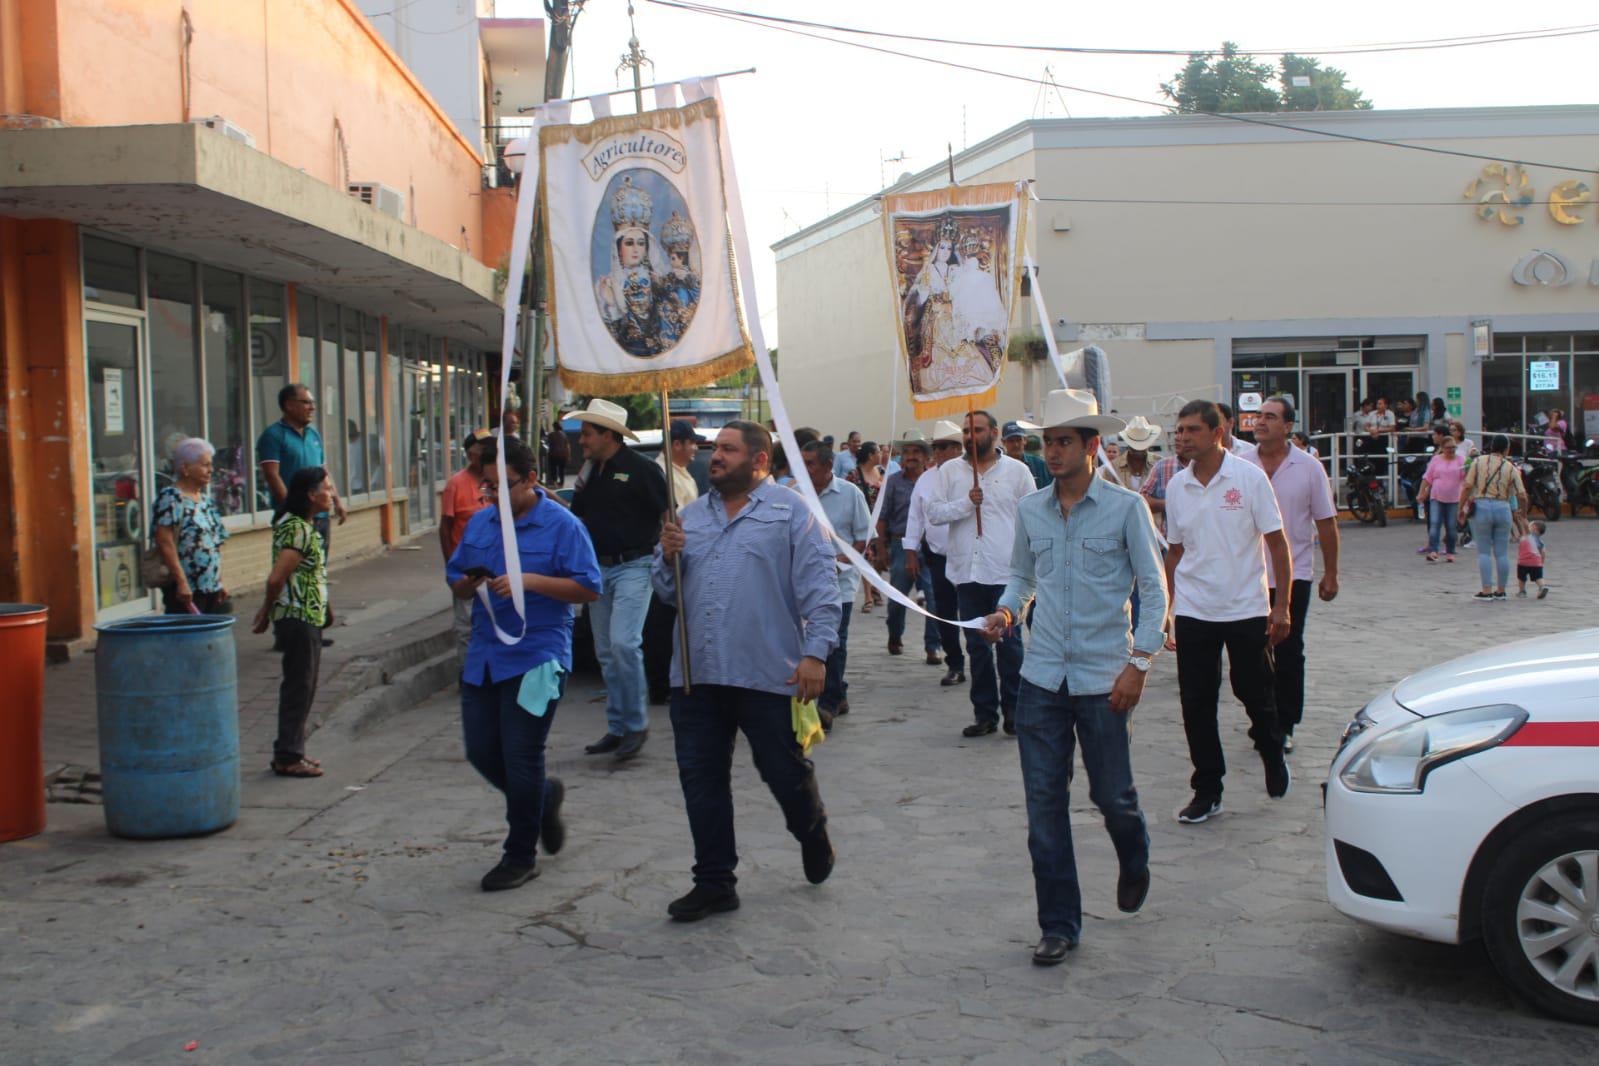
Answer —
643 409
1228 82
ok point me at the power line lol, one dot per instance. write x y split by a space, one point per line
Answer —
1230 116
1472 205
1424 44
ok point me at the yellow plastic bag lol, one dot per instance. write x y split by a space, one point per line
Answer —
807 724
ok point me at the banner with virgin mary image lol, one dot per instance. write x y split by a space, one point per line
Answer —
955 260
642 291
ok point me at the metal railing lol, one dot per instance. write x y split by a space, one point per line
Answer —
1337 450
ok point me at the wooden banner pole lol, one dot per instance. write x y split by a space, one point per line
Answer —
977 511
677 560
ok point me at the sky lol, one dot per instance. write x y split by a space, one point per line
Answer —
818 125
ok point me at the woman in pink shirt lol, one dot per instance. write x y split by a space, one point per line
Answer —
1440 487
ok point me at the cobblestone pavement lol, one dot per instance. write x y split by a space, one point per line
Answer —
340 920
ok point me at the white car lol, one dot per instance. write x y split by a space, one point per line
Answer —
1464 803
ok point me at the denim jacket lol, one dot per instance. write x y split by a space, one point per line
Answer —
1083 571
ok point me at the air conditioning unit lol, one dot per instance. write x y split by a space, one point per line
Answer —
226 128
380 196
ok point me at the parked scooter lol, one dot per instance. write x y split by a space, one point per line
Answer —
1411 469
1364 494
1541 474
1579 478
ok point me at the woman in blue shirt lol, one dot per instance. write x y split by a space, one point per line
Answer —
509 689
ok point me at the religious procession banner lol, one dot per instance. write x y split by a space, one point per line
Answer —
954 257
642 289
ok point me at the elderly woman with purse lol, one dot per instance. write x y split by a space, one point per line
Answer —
189 535
297 608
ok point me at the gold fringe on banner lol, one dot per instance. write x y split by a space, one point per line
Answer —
954 405
668 119
686 377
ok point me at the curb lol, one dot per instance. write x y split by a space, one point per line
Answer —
368 681
404 690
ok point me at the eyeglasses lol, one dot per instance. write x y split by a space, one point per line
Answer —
489 488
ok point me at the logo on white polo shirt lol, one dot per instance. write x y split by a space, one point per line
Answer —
1232 500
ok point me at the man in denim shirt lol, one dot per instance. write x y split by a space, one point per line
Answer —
1081 544
760 599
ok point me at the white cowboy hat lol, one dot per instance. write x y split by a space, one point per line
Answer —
913 436
1141 434
1076 409
944 430
606 415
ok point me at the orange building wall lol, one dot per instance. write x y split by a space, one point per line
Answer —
285 71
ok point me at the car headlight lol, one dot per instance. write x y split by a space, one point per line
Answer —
1399 760
1361 722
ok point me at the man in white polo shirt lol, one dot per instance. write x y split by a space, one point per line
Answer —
1219 509
1305 499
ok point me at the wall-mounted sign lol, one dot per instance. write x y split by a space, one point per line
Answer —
1452 393
1454 410
1249 401
1482 338
112 386
1502 191
1543 376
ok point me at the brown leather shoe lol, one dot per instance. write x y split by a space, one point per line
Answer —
896 647
934 659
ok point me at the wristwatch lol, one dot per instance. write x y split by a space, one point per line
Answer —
1139 663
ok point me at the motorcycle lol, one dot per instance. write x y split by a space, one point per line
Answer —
1364 494
1579 478
1541 474
1411 469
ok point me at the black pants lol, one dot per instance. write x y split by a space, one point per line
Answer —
660 624
556 475
947 605
302 659
705 725
207 602
1289 660
1249 654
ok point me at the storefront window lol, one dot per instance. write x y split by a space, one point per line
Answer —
372 382
1501 394
110 272
331 418
1584 414
269 364
354 432
174 372
306 327
224 389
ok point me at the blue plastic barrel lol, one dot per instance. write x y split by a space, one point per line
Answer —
167 696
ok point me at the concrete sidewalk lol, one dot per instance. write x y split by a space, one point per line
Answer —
392 647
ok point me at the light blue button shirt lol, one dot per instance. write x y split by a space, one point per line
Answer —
1083 569
760 590
846 509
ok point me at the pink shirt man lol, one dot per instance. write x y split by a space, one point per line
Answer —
1304 497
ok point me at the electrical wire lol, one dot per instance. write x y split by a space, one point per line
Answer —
1424 44
1251 120
1471 204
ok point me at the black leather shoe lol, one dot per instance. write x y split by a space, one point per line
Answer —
954 677
825 716
1278 776
842 708
818 855
701 901
631 745
1010 725
552 831
979 729
509 874
1051 951
1132 891
608 743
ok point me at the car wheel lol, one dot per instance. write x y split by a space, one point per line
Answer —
1541 917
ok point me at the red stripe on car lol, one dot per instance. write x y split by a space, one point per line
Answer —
1556 735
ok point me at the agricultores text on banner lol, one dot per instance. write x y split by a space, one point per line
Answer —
642 290
955 264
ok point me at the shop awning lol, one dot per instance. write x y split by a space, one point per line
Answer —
193 192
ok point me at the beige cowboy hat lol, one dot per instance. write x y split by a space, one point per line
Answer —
944 430
1075 409
913 436
1141 434
606 415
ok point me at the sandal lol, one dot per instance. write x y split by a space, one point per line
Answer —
1432 557
298 768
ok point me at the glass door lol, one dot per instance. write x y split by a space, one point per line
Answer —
1325 410
119 480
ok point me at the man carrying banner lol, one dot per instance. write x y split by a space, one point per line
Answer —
1080 545
622 502
761 589
980 565
926 545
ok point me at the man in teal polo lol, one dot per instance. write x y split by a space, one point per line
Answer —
291 444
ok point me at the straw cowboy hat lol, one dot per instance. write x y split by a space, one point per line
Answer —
606 415
944 430
1076 409
1141 434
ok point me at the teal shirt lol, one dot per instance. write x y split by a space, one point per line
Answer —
1039 468
1083 570
292 450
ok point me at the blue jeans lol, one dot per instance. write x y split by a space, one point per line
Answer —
1490 530
505 744
705 725
834 688
1441 524
617 619
1045 726
990 691
902 581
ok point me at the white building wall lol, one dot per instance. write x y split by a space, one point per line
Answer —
438 40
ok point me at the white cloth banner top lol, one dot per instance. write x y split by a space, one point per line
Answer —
642 291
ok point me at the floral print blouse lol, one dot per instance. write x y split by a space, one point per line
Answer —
197 528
